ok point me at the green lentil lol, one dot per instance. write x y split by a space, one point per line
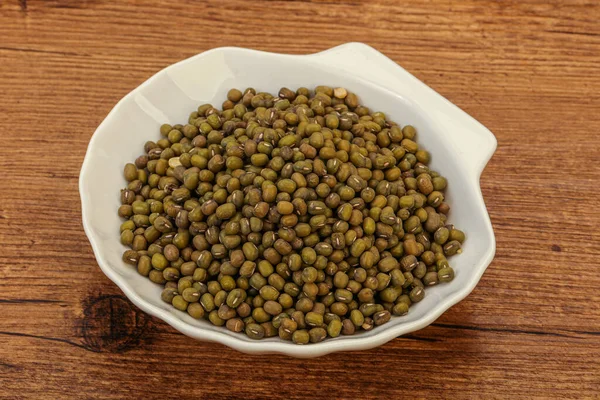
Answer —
301 336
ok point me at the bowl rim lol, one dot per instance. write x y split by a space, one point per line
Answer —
346 343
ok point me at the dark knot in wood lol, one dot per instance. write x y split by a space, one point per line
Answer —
112 324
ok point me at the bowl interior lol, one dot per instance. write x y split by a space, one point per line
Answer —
172 94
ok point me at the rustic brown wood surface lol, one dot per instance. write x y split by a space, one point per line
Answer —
528 70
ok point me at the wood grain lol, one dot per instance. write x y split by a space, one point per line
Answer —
529 70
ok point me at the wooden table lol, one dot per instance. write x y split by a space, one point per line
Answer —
528 70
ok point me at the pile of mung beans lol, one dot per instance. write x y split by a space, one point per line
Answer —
303 215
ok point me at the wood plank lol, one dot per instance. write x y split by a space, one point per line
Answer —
528 70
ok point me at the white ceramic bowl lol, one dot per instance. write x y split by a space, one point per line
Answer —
460 147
